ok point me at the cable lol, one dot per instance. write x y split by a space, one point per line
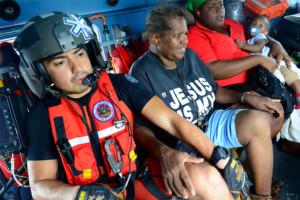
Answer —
130 135
12 166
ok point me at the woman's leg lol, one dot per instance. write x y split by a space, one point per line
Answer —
254 133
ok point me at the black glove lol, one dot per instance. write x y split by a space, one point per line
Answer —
88 192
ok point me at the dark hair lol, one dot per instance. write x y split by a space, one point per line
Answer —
157 19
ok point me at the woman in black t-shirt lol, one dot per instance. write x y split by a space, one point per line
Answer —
180 79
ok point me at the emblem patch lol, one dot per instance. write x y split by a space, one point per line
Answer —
103 111
79 26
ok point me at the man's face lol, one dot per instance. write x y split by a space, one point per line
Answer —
67 70
212 14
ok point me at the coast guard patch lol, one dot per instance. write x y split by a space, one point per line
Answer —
103 111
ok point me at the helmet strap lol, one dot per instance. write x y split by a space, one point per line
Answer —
55 93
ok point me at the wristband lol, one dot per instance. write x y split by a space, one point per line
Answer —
218 154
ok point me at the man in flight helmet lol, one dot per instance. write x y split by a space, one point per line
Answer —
47 35
80 135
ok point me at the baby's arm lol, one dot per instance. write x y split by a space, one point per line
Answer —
254 48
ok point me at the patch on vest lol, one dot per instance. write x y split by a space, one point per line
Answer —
103 111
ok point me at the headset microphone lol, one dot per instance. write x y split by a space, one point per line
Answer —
91 79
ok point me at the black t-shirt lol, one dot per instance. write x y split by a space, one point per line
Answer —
41 144
189 89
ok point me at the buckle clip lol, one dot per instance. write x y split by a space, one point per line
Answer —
115 164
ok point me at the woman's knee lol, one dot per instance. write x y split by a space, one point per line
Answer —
251 123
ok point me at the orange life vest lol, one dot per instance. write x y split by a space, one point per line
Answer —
94 141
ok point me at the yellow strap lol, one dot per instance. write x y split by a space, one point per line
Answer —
1 84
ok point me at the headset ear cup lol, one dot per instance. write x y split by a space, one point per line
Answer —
40 69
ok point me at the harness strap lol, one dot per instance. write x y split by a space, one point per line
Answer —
130 195
63 144
130 188
148 182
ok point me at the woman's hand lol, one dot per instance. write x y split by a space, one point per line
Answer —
268 63
278 52
267 104
239 43
175 175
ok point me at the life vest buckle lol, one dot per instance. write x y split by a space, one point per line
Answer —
120 123
115 164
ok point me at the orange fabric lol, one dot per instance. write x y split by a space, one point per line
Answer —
270 8
123 57
104 107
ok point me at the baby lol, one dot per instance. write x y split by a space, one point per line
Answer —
258 30
256 44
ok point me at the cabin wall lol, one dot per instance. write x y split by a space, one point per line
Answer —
129 13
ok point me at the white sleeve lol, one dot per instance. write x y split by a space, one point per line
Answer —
260 36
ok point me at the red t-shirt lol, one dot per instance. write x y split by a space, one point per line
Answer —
211 45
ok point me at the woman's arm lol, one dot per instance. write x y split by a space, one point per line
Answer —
160 115
251 98
278 52
222 69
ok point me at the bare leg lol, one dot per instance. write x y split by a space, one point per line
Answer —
289 146
275 122
254 132
208 182
295 86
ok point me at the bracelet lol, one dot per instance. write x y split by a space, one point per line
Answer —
243 97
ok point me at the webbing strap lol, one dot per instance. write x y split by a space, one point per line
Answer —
151 186
60 128
130 190
63 144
